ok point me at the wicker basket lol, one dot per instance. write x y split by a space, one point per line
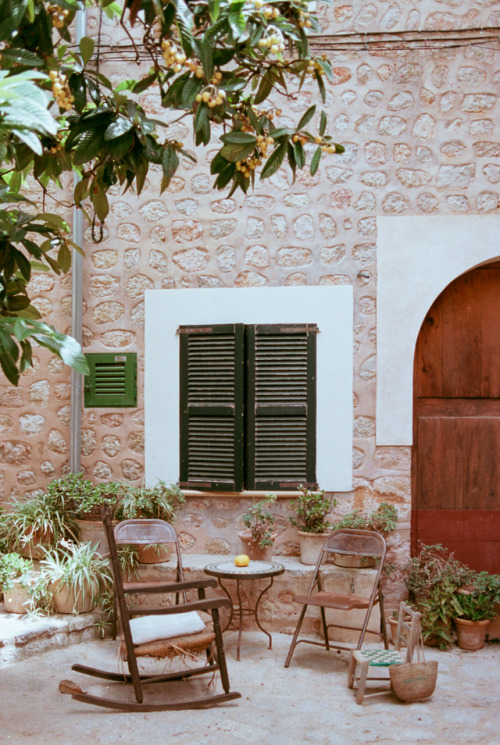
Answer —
412 681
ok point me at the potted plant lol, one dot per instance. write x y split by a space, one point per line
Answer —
258 536
29 527
159 502
312 508
474 611
16 579
490 583
383 519
432 578
86 500
77 575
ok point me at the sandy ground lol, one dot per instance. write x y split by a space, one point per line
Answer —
307 703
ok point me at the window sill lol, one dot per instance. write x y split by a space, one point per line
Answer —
238 494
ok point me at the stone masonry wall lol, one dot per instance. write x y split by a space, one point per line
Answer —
420 128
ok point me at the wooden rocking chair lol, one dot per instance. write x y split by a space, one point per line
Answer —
174 630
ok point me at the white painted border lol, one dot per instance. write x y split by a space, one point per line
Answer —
330 307
417 257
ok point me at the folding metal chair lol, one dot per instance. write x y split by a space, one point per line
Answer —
173 630
407 634
348 542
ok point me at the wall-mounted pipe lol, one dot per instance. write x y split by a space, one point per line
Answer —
76 308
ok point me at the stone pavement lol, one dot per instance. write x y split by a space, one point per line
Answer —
307 703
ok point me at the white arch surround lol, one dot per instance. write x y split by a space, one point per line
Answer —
417 257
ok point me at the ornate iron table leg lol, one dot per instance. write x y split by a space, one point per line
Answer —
230 598
256 609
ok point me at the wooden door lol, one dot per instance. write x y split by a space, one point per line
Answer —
456 453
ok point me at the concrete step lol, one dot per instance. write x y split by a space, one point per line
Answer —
22 636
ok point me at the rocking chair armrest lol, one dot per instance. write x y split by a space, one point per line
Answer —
152 587
205 605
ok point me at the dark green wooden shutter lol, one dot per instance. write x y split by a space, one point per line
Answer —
211 407
281 406
112 380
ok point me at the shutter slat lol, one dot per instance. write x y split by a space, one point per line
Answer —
112 380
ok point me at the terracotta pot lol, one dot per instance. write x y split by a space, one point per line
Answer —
66 602
354 562
16 599
494 627
252 549
92 531
471 635
393 624
33 549
153 554
310 546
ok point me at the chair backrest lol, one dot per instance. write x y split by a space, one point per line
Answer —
353 542
140 532
408 630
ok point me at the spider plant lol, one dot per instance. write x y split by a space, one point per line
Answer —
76 570
41 521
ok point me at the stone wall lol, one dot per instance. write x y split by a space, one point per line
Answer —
420 132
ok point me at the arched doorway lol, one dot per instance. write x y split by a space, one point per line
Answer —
456 421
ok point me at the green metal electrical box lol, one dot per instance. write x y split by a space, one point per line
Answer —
112 380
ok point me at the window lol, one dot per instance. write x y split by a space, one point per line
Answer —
247 406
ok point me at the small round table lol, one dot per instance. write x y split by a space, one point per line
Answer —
227 570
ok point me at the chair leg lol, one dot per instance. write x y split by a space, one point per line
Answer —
363 675
221 655
295 636
352 672
325 628
383 624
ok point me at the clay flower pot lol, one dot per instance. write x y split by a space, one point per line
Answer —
252 549
471 634
310 546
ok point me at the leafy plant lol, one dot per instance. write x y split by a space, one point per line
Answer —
260 521
158 502
79 569
312 507
86 498
43 520
14 567
432 579
220 63
383 519
475 606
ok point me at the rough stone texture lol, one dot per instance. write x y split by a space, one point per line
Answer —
422 135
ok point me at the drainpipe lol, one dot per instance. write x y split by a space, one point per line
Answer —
76 307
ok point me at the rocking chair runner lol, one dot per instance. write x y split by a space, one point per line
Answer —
145 631
348 542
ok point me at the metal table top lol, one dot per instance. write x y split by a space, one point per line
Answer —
255 570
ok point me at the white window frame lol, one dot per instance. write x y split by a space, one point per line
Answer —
330 307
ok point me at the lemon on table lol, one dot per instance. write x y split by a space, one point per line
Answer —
242 560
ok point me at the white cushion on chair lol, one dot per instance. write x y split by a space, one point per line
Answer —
153 628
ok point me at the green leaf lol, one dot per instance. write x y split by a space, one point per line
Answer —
321 85
233 153
119 127
144 84
169 163
239 138
29 138
22 57
322 124
86 48
306 118
100 203
300 156
275 160
264 89
206 56
237 20
213 9
315 161
64 258
327 68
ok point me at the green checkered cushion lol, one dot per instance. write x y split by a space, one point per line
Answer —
382 657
